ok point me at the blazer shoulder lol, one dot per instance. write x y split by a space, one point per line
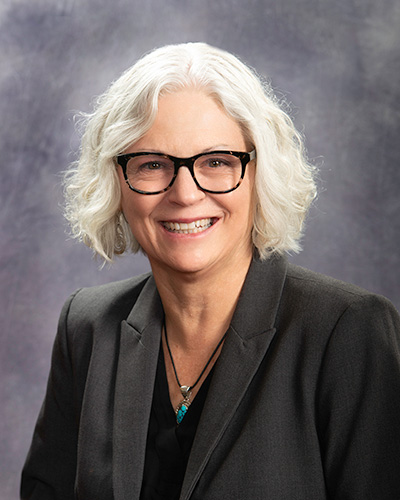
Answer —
326 297
104 303
326 287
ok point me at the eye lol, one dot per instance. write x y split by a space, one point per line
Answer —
217 162
153 165
148 166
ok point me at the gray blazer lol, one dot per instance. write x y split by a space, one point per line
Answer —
304 402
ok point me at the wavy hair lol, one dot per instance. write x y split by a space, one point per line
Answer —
284 183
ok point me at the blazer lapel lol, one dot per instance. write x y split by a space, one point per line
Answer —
137 363
249 336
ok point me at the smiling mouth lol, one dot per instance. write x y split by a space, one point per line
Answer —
196 226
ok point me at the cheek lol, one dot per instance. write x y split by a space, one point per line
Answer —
247 214
129 206
251 192
138 210
248 195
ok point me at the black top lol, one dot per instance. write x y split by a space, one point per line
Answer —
168 444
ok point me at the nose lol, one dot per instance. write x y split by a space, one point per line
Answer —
184 191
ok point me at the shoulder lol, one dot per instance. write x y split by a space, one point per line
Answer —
110 294
321 308
353 320
103 303
312 282
311 303
324 292
90 321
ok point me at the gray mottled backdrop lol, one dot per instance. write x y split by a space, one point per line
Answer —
338 64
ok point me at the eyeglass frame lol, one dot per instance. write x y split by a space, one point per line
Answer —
244 157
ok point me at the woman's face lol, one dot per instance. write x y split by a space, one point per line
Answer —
188 123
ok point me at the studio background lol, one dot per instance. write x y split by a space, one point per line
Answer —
338 64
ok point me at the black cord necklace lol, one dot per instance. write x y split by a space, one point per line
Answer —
183 406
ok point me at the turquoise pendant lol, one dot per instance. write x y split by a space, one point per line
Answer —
183 406
181 411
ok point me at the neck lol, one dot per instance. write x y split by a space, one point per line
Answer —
199 306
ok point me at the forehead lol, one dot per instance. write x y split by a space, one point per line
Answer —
189 122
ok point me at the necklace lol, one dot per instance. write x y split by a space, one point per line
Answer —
186 390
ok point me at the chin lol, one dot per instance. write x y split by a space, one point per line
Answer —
186 263
190 266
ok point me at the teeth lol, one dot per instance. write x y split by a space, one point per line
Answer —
188 228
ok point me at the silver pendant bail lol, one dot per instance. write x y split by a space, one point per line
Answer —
185 390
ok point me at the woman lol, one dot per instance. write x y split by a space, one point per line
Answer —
226 373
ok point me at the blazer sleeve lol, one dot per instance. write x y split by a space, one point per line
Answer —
359 403
50 467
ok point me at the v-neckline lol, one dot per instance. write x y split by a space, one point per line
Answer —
196 404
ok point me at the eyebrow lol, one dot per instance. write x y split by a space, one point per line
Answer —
219 147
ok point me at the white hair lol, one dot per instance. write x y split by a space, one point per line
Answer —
284 182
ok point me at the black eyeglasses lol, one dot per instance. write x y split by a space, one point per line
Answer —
214 172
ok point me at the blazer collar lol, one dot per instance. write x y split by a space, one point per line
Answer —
260 297
248 339
136 370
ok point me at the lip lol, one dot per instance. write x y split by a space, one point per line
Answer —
188 220
192 227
